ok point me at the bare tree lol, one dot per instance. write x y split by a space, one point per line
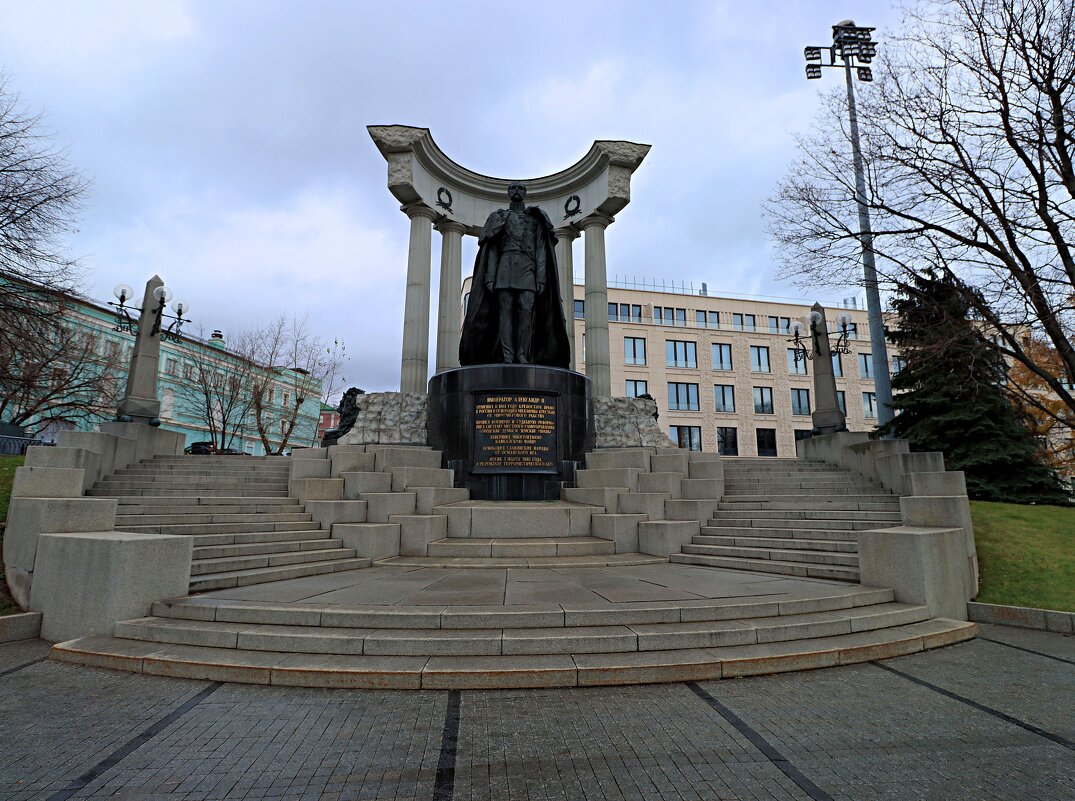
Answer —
295 367
62 373
969 142
217 389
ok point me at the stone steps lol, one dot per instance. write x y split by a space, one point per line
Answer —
206 517
184 492
818 532
794 555
735 490
230 564
128 509
223 528
566 669
523 562
831 515
786 568
253 548
207 540
543 546
243 578
197 503
517 519
784 543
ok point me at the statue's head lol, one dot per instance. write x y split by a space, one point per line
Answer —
516 192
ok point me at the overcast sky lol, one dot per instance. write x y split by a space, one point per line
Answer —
226 144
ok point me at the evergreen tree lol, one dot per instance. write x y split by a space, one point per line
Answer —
950 397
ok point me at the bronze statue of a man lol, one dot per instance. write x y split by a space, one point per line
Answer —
515 315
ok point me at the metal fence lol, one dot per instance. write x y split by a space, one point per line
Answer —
16 446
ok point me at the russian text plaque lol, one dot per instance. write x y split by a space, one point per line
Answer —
514 432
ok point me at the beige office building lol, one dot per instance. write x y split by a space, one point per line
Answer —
722 370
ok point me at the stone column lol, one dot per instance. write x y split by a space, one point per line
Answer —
415 367
598 367
140 402
449 308
826 416
565 264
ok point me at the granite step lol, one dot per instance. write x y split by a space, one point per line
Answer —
224 528
786 543
835 572
206 540
800 487
516 671
817 524
163 492
203 516
243 578
211 501
845 535
538 546
523 562
863 515
553 640
133 508
790 555
226 564
254 548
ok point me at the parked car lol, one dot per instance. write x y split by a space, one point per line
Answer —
200 449
230 452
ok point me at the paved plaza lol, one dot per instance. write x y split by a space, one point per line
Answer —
988 719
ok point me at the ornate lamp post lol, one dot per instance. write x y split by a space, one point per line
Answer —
827 416
853 48
140 403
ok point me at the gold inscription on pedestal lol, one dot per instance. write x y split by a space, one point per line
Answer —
514 433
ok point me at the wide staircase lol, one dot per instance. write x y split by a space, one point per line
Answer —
655 517
793 517
246 530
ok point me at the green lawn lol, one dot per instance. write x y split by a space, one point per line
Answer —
7 476
1026 554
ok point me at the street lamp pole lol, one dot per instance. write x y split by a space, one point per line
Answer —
854 47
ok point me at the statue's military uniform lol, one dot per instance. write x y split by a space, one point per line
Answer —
519 266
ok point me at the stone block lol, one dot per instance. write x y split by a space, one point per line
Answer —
104 445
922 565
661 482
47 482
335 449
26 626
699 510
28 518
619 457
936 511
389 417
417 531
86 582
310 468
612 477
523 520
711 470
406 478
18 584
356 483
622 529
702 488
387 457
74 458
666 537
605 497
146 441
627 423
946 483
894 470
381 505
329 512
317 489
370 540
459 519
669 462
350 461
428 498
650 504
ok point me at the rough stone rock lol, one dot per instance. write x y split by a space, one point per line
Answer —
389 418
627 423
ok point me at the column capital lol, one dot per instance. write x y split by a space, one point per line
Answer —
419 209
595 219
568 232
449 226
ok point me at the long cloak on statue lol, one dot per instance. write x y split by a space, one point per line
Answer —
479 341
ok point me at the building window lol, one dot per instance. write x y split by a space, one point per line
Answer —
580 309
466 304
722 356
869 405
766 441
189 372
624 313
689 437
680 354
743 322
796 362
171 366
852 331
682 397
727 442
841 401
283 427
759 359
665 315
287 399
779 325
837 365
803 433
800 402
725 397
763 400
634 350
866 365
898 363
704 319
636 388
